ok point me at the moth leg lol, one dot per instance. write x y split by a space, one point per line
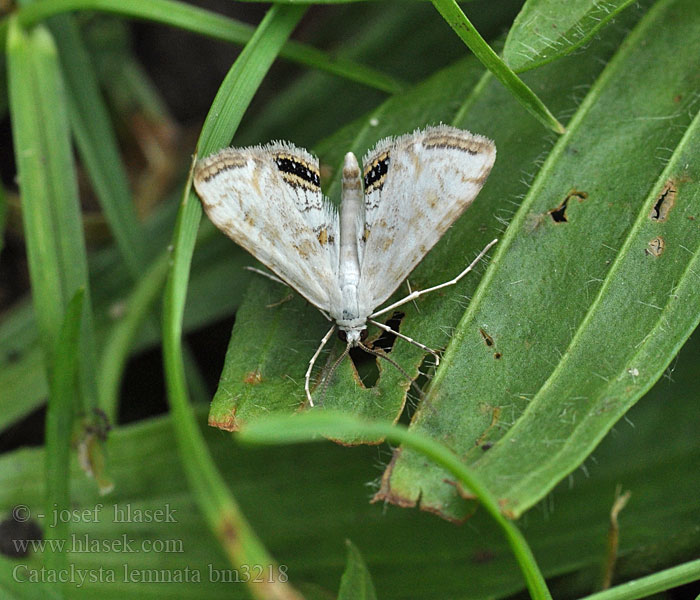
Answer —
312 362
410 291
278 280
266 274
417 293
287 298
408 339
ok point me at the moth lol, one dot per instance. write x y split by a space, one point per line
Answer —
347 261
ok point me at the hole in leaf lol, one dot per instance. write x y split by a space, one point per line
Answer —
497 355
487 338
366 364
664 203
386 340
558 214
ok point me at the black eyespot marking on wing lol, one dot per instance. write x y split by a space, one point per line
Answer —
375 172
298 173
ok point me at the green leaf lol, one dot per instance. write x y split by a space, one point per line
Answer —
47 181
309 426
591 292
220 509
356 583
452 13
410 554
59 424
547 29
97 143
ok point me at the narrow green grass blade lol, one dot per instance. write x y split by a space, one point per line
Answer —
46 173
192 18
652 584
310 426
452 13
547 29
121 337
59 426
592 290
35 187
97 143
216 502
356 582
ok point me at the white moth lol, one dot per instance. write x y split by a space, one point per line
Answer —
347 263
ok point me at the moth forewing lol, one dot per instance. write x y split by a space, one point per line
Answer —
268 200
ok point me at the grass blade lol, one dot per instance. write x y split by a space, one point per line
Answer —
59 426
645 587
311 426
452 13
356 582
51 213
218 505
192 18
97 143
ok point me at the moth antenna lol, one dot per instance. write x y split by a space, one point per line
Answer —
397 365
327 380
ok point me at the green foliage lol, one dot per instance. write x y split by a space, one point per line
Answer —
567 327
543 32
356 583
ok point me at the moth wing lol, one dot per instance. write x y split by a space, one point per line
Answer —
268 200
416 186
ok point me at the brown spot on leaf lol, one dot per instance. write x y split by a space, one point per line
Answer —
497 355
664 203
656 246
228 531
481 557
253 377
227 423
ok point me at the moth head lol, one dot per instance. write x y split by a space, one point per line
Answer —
353 337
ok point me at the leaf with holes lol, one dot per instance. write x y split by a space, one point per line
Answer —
590 294
276 333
